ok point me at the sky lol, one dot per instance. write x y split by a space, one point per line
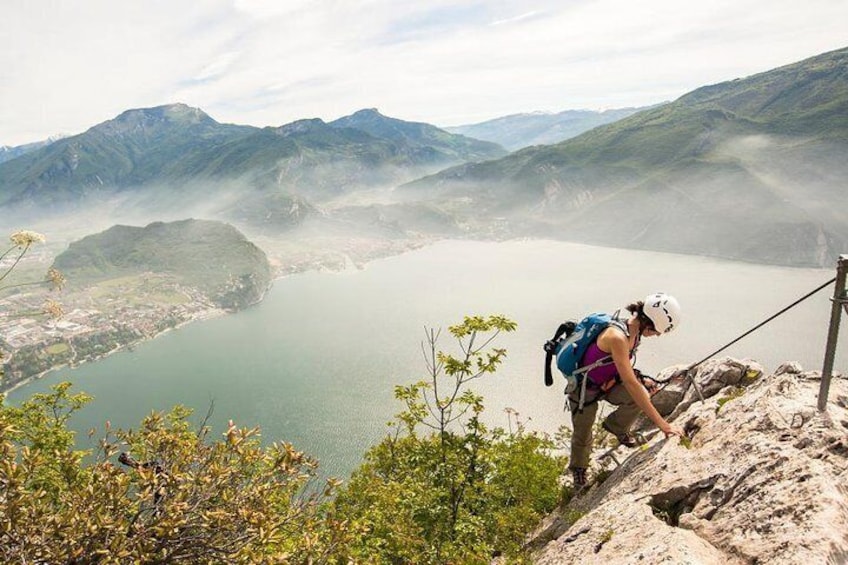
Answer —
68 65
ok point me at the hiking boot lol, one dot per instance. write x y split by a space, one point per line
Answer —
579 476
626 439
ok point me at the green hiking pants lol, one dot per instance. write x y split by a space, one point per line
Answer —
619 421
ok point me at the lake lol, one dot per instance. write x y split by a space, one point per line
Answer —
316 362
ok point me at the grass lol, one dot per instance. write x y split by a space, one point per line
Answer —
570 517
110 286
140 290
602 476
169 297
734 393
57 349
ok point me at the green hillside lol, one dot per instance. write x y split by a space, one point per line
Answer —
320 160
419 141
748 169
212 257
137 147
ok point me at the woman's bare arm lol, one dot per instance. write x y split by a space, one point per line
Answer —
618 345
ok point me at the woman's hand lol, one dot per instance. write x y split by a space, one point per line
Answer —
670 430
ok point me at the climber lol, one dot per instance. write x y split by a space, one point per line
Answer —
621 384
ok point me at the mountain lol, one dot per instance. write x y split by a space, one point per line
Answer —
212 257
439 145
176 157
518 131
137 147
749 169
7 153
319 160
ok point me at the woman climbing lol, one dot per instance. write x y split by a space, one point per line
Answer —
618 382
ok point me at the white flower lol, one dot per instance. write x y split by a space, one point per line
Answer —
26 238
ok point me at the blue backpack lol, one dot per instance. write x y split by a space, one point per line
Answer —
569 345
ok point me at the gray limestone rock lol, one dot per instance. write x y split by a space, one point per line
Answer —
714 375
764 480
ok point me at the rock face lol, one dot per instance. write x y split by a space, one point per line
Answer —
765 480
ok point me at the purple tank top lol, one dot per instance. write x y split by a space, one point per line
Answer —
600 375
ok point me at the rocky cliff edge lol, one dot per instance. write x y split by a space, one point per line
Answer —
764 480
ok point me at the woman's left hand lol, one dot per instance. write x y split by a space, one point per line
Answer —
670 430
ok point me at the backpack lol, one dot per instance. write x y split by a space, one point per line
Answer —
569 345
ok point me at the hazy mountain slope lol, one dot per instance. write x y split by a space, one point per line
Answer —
7 153
137 147
211 256
321 160
750 169
441 145
178 158
518 131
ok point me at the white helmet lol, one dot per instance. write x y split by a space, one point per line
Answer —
663 310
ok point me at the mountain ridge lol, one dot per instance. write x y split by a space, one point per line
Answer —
9 152
177 144
517 131
727 170
749 169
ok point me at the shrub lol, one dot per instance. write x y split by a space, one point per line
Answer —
179 496
441 487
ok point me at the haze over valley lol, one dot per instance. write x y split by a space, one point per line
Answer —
752 169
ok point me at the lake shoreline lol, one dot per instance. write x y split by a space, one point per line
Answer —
303 267
316 265
201 316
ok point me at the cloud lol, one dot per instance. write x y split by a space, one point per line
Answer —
217 67
268 62
516 19
436 23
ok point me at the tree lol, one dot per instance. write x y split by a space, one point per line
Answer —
442 487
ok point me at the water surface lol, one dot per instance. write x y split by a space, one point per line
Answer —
316 362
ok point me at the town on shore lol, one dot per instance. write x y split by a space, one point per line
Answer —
43 330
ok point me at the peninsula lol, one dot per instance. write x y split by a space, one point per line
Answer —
128 284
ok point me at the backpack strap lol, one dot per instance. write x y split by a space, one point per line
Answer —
550 348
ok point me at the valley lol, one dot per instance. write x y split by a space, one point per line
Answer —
750 170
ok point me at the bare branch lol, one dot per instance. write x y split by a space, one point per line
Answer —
18 260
